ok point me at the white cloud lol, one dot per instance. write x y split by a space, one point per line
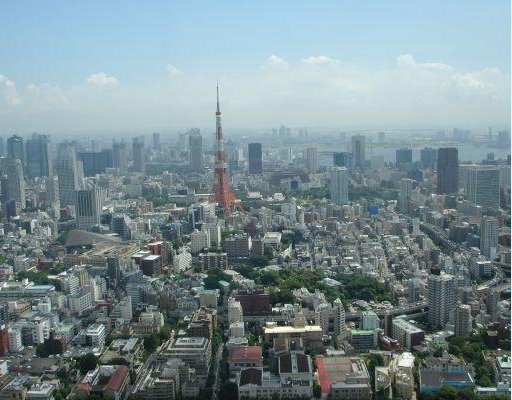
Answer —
8 92
173 71
276 62
319 60
101 79
409 94
408 61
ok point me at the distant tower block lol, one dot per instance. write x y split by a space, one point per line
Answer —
221 191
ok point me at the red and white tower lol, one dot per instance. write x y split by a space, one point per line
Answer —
221 192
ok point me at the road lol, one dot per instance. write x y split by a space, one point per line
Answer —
216 384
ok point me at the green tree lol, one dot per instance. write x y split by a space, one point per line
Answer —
87 363
152 342
228 391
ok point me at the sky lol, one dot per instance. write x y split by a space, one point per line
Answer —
132 66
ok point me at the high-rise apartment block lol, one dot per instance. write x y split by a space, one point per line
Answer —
489 236
441 299
339 185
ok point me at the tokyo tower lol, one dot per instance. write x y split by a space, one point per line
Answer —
221 192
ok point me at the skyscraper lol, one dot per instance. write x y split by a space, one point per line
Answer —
463 323
13 184
255 158
156 141
38 156
447 170
403 157
342 159
89 204
67 173
52 192
359 151
441 299
484 186
339 317
312 159
339 185
195 148
405 195
428 158
489 236
139 155
15 148
119 157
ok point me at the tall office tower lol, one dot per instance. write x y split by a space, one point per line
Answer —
359 151
312 159
38 156
195 150
405 195
463 323
255 158
403 157
484 186
2 147
441 299
120 157
52 192
343 159
89 205
15 148
382 137
339 317
67 173
428 158
156 141
447 170
13 184
139 155
339 185
489 236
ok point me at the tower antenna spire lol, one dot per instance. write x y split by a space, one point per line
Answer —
218 106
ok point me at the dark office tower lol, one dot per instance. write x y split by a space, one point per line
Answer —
195 149
119 157
15 148
447 170
255 158
403 157
13 184
96 162
2 147
359 151
89 204
428 158
139 157
38 156
156 141
67 172
342 159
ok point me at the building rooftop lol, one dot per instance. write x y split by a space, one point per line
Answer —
246 354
